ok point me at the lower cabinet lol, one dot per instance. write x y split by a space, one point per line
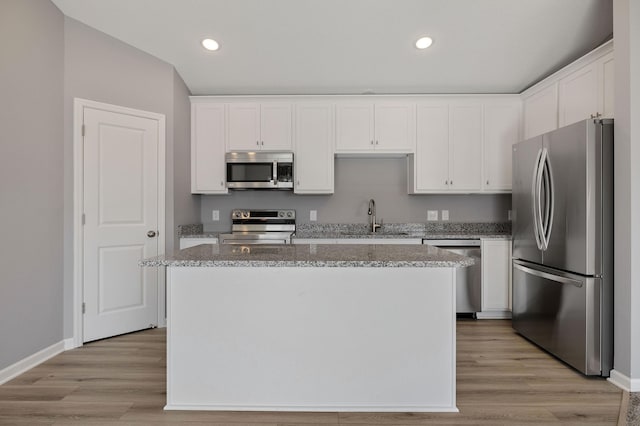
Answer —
190 242
496 279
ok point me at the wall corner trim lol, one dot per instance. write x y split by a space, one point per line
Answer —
31 361
623 382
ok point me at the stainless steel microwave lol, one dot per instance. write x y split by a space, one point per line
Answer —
259 170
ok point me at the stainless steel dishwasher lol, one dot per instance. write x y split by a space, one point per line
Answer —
468 280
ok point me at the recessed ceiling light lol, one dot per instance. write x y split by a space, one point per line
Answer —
423 42
210 44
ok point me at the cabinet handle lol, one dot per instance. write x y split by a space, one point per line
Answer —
487 182
376 142
446 182
221 183
450 182
258 143
371 142
298 182
262 143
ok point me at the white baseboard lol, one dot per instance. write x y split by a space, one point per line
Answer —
69 344
31 361
493 315
624 382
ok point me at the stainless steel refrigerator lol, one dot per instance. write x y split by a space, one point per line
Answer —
563 243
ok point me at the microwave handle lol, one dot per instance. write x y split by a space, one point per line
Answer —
275 172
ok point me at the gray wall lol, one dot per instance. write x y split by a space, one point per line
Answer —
627 188
101 68
31 165
186 206
356 181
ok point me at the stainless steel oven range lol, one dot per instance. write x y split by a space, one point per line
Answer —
260 227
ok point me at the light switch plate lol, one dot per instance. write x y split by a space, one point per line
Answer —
444 214
215 215
432 214
313 215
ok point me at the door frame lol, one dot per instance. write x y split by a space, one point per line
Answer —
78 203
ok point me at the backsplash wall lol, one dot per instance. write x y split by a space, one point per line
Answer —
356 181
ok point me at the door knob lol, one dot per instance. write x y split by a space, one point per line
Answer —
151 234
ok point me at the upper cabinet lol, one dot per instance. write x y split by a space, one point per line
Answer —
501 131
375 127
541 111
260 126
464 145
314 146
448 147
583 89
208 175
587 92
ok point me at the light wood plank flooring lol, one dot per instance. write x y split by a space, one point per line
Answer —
502 380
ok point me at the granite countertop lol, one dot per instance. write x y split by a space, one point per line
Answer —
431 231
312 255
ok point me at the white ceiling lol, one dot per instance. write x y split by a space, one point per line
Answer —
355 46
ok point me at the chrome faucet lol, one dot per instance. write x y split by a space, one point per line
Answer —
372 214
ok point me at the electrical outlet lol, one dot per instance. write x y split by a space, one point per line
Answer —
432 214
313 215
509 214
444 214
215 215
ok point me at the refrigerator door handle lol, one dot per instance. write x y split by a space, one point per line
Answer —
549 200
546 275
535 200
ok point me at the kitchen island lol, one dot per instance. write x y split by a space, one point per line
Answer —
311 327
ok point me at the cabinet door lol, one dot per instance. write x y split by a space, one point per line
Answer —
541 111
313 167
496 282
501 131
432 148
275 129
192 242
394 127
578 95
354 127
208 174
465 148
379 241
244 127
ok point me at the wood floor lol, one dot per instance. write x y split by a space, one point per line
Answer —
502 380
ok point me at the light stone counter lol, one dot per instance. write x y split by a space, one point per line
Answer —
312 255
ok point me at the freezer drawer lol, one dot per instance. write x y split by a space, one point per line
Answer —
562 313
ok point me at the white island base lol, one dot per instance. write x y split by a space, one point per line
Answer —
311 339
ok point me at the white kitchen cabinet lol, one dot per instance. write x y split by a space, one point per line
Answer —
313 241
260 126
375 127
587 92
541 111
371 240
314 148
448 148
208 174
496 279
374 240
501 131
191 242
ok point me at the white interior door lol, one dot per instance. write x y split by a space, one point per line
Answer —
121 223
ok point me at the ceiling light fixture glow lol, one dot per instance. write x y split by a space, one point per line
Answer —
424 42
210 44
